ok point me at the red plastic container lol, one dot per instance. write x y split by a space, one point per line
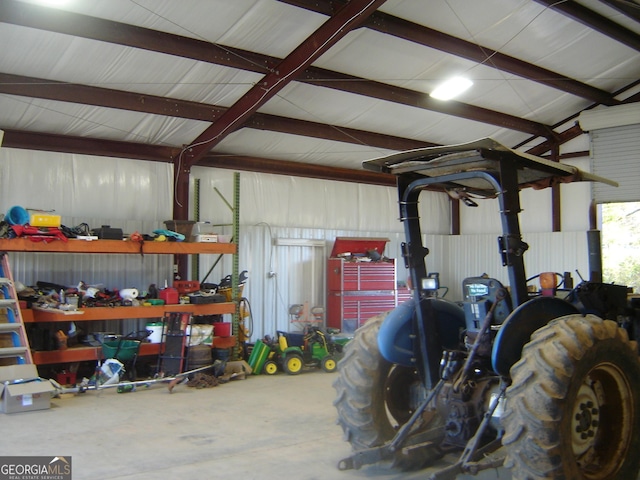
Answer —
222 329
169 295
66 378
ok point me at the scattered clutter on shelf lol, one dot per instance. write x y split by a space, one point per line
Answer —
40 226
55 297
66 349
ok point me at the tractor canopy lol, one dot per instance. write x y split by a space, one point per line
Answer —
480 155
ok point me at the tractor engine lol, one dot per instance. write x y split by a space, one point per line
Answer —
470 383
462 402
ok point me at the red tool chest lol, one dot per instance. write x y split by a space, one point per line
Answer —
358 287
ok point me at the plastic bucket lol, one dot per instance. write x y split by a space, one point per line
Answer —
222 329
156 332
17 215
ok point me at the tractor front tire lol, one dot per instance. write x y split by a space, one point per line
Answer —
270 368
375 397
573 408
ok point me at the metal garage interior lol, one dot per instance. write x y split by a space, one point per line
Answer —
118 112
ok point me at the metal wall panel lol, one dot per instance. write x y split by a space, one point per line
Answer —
616 155
273 208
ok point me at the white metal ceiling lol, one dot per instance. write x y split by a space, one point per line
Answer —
524 29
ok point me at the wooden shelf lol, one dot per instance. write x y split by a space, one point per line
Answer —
116 247
85 354
121 313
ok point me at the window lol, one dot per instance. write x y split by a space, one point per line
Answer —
621 244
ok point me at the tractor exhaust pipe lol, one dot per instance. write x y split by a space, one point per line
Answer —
594 246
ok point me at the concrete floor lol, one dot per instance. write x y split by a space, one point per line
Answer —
264 427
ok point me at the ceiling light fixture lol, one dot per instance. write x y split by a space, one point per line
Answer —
451 88
51 3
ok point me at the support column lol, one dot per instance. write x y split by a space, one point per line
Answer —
556 217
235 293
181 174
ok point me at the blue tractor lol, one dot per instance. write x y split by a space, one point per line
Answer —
546 385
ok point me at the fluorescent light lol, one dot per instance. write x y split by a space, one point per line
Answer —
451 88
51 3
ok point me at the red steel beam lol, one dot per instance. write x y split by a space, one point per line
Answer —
412 32
346 19
296 169
52 142
173 107
84 26
139 151
595 21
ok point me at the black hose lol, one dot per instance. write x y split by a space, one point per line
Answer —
249 331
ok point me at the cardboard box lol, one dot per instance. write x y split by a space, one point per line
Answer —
21 390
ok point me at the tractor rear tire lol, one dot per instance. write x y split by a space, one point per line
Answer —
293 364
329 364
573 408
375 397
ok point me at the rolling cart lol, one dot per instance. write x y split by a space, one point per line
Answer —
126 350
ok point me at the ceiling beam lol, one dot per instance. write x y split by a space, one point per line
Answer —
327 35
273 123
69 23
138 151
574 131
412 98
279 167
172 107
106 97
84 26
627 7
594 21
428 37
51 142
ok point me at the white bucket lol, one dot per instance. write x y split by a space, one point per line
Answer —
156 332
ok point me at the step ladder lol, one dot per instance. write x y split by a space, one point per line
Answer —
13 336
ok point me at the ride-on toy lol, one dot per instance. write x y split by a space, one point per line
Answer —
294 351
550 385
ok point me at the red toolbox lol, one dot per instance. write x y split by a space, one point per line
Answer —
361 282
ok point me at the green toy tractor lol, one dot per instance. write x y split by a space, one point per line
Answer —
294 351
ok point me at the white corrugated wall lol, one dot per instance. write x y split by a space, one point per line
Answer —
287 226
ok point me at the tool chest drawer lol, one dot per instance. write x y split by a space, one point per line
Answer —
350 311
346 275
